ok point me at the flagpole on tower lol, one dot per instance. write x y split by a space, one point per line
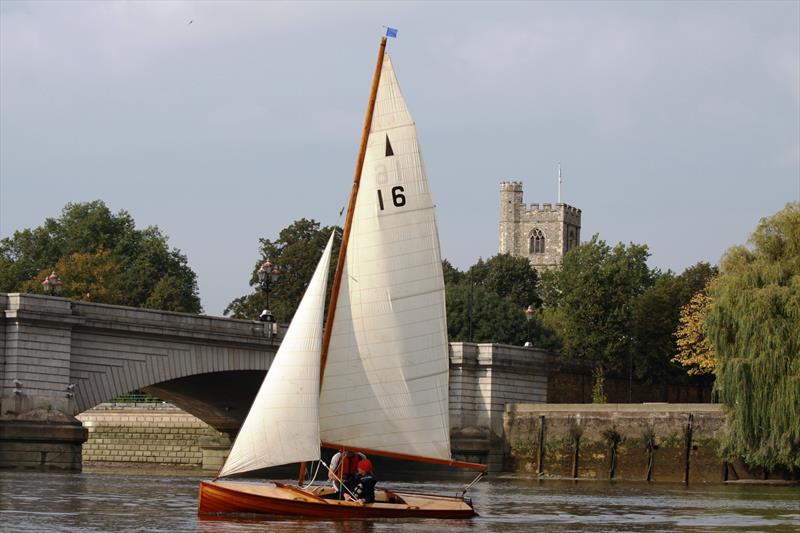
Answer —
559 183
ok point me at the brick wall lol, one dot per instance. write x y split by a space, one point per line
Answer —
144 433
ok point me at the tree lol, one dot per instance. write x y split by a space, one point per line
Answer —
593 297
101 254
452 275
478 314
92 277
488 302
694 350
296 252
509 277
656 318
752 324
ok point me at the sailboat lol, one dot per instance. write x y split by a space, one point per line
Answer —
375 378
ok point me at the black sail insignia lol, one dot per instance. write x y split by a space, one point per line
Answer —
389 150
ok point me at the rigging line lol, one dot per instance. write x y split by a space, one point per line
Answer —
337 478
313 478
469 485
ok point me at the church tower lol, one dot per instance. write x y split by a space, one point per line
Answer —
542 234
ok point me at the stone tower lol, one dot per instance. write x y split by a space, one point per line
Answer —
542 234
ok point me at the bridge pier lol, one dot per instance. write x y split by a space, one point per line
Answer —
38 429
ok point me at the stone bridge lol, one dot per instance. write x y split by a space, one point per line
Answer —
59 358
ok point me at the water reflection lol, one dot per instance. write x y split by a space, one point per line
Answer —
123 501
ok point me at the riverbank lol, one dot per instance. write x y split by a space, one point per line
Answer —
634 442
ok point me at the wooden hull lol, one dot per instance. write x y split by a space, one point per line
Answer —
227 497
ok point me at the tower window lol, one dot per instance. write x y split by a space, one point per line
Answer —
571 242
537 242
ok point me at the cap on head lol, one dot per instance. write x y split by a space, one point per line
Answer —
365 465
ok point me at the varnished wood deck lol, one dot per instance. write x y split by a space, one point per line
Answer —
224 497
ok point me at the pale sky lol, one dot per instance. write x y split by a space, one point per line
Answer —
677 124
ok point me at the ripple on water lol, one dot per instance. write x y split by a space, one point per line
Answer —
111 501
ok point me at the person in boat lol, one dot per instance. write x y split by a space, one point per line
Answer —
364 486
344 466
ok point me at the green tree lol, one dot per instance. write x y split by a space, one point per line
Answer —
656 316
452 275
593 297
91 277
109 258
487 303
479 314
753 327
296 253
509 277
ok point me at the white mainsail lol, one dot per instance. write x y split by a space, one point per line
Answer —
385 384
282 426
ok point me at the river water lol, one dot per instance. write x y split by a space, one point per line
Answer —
123 501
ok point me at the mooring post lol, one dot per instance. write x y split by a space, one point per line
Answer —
688 448
575 453
540 462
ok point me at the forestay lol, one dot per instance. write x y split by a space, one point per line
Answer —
386 377
282 425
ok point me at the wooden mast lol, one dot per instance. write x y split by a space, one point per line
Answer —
348 222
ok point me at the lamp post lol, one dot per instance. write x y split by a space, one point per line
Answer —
529 317
267 275
52 284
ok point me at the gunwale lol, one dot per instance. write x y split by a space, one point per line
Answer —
272 498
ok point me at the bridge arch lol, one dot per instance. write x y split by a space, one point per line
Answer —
69 356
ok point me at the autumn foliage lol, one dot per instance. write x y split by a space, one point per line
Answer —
694 350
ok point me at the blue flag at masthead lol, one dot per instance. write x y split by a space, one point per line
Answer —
391 32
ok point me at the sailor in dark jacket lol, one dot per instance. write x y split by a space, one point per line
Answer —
364 491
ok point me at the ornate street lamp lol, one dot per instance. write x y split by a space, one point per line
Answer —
52 284
529 317
267 275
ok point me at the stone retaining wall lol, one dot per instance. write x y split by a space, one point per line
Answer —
148 433
578 440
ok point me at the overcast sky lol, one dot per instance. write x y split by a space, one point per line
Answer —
677 124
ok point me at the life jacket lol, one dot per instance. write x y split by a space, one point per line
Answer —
348 465
365 488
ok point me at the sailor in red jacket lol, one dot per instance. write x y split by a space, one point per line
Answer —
364 484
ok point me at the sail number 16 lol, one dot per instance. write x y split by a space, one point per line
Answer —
398 198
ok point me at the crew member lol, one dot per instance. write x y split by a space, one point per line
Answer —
344 466
364 484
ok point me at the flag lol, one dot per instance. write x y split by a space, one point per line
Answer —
391 32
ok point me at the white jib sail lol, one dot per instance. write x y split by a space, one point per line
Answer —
385 385
282 425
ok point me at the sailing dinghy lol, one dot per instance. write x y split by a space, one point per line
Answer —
375 378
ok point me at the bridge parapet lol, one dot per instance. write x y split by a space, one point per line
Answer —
69 356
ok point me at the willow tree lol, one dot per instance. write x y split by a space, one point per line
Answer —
754 326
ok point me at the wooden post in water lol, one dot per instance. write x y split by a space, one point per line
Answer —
688 448
540 462
576 446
